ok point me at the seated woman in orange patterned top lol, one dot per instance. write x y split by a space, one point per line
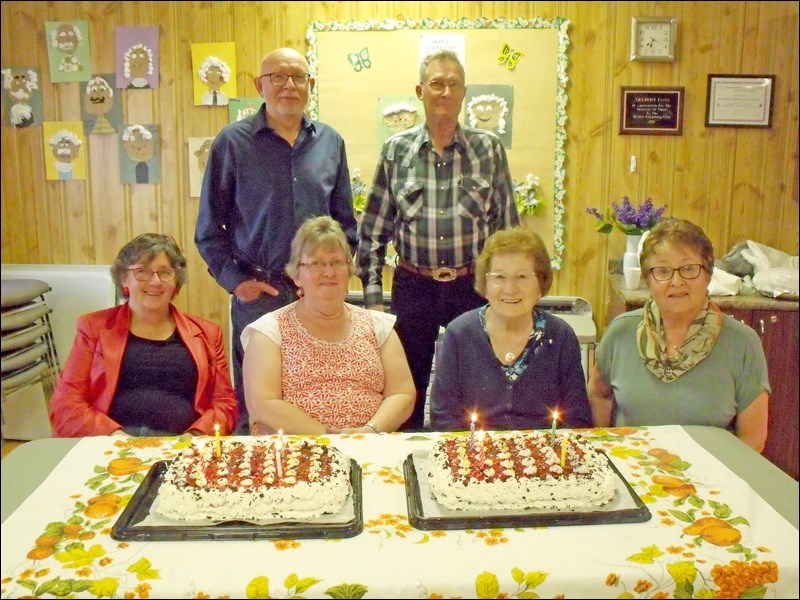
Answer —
320 365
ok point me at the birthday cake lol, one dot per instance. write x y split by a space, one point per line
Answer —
518 471
247 481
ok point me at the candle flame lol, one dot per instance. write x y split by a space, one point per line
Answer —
555 415
474 417
216 427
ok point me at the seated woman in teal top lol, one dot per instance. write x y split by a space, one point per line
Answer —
679 360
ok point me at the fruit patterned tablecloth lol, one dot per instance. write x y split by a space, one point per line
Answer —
710 536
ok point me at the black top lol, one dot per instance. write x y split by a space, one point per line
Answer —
157 383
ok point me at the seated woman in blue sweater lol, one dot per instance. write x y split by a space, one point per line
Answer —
509 362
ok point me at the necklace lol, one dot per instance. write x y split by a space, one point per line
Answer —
509 356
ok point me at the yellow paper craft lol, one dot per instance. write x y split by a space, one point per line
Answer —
509 57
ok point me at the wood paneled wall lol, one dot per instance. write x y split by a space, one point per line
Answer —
736 183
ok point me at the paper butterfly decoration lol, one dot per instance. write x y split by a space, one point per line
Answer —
509 57
360 60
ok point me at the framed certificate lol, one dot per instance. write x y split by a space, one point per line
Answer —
740 100
651 111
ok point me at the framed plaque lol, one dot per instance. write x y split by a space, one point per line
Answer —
651 111
740 100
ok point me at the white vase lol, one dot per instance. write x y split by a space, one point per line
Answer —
631 258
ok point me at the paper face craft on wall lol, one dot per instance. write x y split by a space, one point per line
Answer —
490 107
137 57
199 148
65 145
397 113
68 50
22 97
102 113
214 66
139 155
240 108
214 73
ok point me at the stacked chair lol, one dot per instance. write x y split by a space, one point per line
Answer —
29 358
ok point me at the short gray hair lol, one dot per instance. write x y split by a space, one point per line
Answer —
443 55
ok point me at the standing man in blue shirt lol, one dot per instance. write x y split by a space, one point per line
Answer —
266 175
439 190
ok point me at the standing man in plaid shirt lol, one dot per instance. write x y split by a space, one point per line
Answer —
439 190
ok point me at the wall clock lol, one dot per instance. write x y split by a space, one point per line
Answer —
653 39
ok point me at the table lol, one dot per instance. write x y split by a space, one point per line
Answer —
720 477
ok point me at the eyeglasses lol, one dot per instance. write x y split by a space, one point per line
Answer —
523 280
317 266
439 86
686 272
147 274
278 79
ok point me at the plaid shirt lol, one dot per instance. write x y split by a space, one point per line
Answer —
438 211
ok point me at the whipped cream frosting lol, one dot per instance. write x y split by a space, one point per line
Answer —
245 482
519 471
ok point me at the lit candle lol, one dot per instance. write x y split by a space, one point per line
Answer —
217 443
483 449
278 456
563 452
472 432
553 428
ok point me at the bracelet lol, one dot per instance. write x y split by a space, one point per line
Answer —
371 425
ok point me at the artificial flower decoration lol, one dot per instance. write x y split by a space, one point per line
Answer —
626 218
359 191
528 198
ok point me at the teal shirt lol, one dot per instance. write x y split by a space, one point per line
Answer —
712 393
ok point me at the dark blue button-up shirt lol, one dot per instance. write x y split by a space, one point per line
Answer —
258 190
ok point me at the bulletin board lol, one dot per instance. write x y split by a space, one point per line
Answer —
361 66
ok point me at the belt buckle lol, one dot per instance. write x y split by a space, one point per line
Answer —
443 274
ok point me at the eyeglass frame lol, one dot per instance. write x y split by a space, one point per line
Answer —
453 86
319 265
678 270
142 270
526 283
306 77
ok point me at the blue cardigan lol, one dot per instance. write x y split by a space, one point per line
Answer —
469 377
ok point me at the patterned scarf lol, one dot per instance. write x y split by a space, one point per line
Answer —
651 341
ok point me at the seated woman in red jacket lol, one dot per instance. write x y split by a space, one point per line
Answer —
144 367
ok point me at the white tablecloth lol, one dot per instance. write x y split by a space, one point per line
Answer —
54 544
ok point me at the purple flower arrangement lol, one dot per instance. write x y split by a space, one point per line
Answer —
626 218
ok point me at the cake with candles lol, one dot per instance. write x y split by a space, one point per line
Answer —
253 480
519 471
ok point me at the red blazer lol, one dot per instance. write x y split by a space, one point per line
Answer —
86 386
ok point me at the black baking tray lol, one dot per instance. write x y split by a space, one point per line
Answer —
637 512
126 528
